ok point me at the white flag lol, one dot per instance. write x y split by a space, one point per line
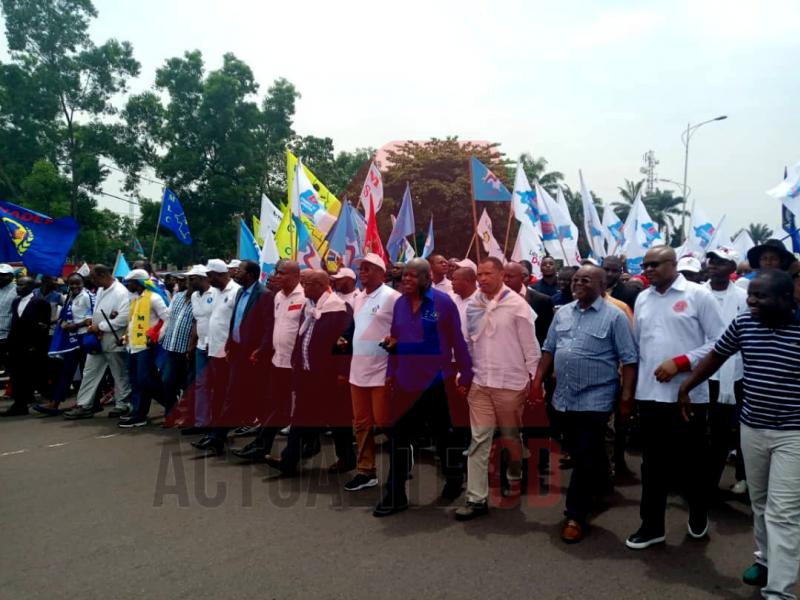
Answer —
490 245
641 234
269 256
788 190
529 246
372 190
613 231
742 243
270 218
701 231
591 222
721 237
84 270
526 207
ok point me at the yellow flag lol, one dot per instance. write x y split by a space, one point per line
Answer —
318 220
256 228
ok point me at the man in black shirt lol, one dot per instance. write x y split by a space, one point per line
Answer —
548 283
618 289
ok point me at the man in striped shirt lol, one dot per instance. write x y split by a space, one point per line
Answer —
769 341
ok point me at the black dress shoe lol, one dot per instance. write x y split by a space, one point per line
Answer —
202 442
390 505
311 449
452 490
194 431
252 451
212 447
15 410
644 539
277 464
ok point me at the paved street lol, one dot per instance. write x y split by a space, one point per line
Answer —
91 511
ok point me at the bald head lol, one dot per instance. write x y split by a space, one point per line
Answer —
315 283
660 266
287 275
514 276
588 284
464 280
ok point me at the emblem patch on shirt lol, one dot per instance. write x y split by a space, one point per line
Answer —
680 306
295 307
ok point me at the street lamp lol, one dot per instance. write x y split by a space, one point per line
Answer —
677 184
685 137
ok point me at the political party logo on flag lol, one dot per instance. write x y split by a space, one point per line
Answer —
565 232
650 232
705 233
21 236
486 186
136 246
528 200
615 229
173 218
548 229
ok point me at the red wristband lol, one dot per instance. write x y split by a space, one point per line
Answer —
682 362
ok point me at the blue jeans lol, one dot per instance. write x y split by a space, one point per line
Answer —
145 382
70 362
202 404
174 376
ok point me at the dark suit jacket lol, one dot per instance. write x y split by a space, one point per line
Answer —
325 358
258 321
30 332
542 305
626 293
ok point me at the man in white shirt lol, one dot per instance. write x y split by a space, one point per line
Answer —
439 270
148 312
464 289
373 310
8 293
219 324
113 302
344 284
725 387
676 323
505 355
289 303
203 298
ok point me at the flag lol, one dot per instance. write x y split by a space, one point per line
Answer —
403 226
701 232
641 234
156 288
307 255
591 222
172 217
268 257
557 228
428 248
40 242
84 270
524 202
486 186
788 190
137 248
721 236
490 245
613 231
121 267
372 242
343 242
372 192
529 246
788 221
407 253
270 218
248 247
256 230
319 207
742 243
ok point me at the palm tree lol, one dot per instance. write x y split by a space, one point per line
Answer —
536 169
664 208
759 232
628 193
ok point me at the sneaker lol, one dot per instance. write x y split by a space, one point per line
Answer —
119 412
361 482
390 506
245 430
697 527
739 488
285 431
131 422
472 510
755 574
79 412
644 539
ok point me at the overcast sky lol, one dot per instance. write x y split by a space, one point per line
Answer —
589 85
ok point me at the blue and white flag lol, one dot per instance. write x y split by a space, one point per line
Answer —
121 267
173 218
641 234
38 241
343 239
591 222
525 203
613 231
486 186
403 225
248 246
428 248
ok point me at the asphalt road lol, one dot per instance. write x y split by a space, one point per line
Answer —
91 511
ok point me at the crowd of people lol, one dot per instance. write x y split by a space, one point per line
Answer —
701 357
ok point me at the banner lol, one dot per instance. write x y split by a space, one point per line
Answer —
173 218
486 186
318 206
372 191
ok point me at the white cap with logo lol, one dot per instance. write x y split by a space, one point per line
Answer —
215 265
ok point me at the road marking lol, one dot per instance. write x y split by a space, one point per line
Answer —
105 437
14 452
57 445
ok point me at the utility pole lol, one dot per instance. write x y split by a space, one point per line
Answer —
649 171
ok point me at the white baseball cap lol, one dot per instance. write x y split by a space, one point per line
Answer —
468 264
6 269
725 253
234 264
215 265
197 271
374 259
137 274
689 263
344 272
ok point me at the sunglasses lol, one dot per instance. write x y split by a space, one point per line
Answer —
653 264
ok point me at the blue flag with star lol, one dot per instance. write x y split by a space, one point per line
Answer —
486 186
172 217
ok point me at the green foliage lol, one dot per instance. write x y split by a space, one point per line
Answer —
759 232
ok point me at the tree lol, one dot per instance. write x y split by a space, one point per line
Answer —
536 170
72 82
211 142
438 171
661 205
759 232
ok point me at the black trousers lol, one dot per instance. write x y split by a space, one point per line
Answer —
672 451
584 439
25 371
429 406
723 421
279 412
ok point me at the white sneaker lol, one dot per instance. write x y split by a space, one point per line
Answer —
739 488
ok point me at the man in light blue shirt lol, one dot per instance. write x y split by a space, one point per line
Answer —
587 341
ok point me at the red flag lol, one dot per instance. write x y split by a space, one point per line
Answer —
372 240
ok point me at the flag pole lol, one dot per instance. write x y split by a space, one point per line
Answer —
474 212
508 225
471 241
158 224
116 262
